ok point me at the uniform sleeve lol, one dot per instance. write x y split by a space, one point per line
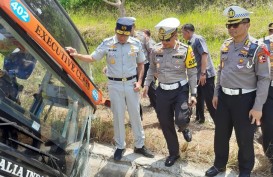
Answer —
149 46
218 74
140 56
151 71
217 85
191 70
201 46
100 51
262 68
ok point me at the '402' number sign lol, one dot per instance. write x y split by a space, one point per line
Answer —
20 11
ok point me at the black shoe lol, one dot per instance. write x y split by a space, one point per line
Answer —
144 151
187 135
244 174
213 171
171 160
118 154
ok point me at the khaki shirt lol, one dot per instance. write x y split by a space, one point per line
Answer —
173 65
121 59
147 44
239 70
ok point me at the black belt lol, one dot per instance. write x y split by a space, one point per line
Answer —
122 79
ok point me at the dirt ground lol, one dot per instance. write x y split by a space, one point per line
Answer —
199 151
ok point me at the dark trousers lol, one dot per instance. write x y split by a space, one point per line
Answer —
267 125
233 112
205 94
172 108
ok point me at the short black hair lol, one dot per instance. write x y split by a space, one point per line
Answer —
147 32
188 27
270 25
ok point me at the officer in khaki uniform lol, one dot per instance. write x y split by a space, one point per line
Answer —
267 118
123 53
173 62
241 90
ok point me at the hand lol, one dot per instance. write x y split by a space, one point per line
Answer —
255 116
72 52
192 101
202 80
215 101
137 86
145 92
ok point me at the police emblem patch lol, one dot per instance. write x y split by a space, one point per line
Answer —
262 59
123 28
231 13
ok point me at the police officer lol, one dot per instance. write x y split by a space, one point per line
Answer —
267 118
173 62
206 71
147 45
270 29
123 54
241 90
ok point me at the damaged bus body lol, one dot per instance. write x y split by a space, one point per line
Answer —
47 99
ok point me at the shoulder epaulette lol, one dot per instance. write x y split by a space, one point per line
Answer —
158 47
135 39
183 45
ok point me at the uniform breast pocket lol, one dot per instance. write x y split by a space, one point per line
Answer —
111 58
178 62
244 65
133 55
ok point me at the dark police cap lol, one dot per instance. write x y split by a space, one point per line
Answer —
124 26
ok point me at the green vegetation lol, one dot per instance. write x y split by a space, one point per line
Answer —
96 20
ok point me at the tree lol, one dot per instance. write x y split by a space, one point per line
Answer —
120 4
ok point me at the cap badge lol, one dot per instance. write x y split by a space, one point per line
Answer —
123 28
162 31
231 13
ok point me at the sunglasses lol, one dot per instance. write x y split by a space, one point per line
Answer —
235 25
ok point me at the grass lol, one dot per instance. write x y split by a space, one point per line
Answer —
208 21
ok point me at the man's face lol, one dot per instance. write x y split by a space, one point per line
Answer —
186 34
122 38
238 30
170 43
